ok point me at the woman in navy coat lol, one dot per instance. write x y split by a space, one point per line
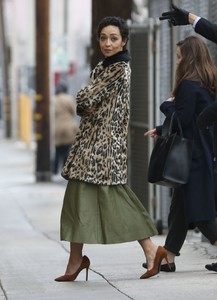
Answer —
208 117
195 88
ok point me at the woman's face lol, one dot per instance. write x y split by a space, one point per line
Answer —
110 40
178 56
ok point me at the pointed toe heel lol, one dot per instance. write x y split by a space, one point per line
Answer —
85 264
160 255
164 267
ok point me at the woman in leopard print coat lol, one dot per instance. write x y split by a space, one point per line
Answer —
99 154
99 207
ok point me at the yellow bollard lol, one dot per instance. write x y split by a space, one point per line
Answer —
25 119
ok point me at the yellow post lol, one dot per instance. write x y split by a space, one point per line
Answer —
25 119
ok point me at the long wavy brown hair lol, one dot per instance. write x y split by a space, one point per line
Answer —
196 64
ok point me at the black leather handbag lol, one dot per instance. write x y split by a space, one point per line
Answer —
170 159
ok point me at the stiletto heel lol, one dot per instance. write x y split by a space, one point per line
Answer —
160 255
85 264
87 269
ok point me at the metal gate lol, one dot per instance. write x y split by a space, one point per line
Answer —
144 102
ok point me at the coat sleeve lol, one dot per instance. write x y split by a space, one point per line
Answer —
207 29
100 88
208 116
167 108
184 104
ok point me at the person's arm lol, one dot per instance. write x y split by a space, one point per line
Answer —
101 87
192 18
208 116
184 105
179 16
207 29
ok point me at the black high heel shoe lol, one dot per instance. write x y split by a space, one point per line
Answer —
164 267
160 255
85 264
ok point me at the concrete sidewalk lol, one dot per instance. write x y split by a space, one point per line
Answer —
31 255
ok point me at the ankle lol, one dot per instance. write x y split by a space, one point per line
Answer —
171 257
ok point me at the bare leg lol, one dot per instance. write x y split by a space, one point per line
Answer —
150 250
154 256
171 257
75 258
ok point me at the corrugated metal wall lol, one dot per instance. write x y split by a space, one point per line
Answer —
141 65
163 195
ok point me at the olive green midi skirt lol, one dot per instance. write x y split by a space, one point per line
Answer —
100 214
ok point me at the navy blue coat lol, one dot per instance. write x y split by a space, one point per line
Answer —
208 116
199 192
207 29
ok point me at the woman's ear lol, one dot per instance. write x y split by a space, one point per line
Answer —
124 42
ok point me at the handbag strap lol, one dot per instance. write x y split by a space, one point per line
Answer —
174 115
168 126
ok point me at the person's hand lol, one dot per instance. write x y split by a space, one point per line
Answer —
171 99
152 133
177 16
90 109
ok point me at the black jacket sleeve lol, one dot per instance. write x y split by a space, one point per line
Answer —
208 116
207 29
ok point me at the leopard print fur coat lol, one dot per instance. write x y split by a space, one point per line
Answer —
99 154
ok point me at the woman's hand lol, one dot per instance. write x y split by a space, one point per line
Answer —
171 99
152 133
89 110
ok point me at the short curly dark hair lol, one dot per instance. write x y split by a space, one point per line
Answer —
114 21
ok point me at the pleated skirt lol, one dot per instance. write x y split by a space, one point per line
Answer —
99 214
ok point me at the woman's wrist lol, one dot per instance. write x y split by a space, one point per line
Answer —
191 18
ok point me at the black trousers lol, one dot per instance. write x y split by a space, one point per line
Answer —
178 226
61 154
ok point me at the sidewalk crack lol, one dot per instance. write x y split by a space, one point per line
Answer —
111 284
3 290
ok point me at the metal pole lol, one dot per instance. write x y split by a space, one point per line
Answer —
5 81
42 115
